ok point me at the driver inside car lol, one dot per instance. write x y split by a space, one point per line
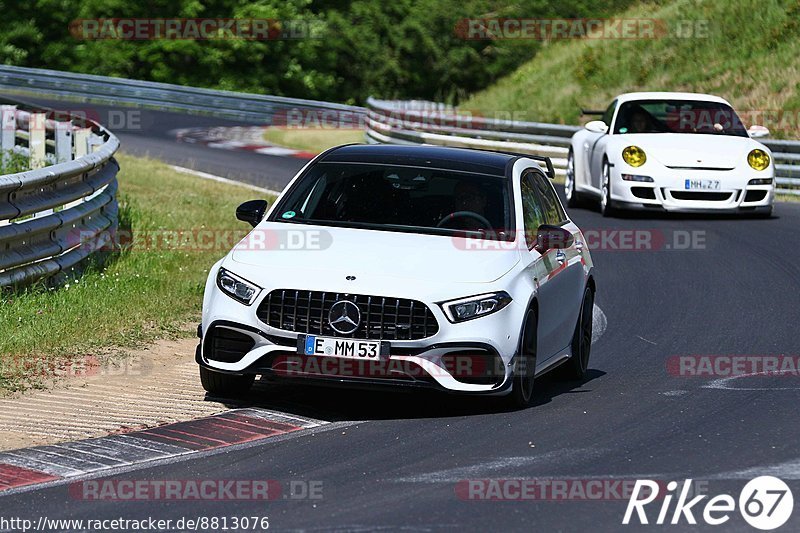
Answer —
640 123
472 199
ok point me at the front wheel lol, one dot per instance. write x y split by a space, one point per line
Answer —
225 384
606 208
763 212
525 367
573 198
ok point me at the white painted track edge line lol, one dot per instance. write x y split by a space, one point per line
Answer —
220 179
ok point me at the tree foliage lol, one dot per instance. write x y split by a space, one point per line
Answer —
403 48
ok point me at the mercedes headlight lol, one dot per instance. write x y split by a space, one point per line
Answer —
634 156
237 288
475 306
758 159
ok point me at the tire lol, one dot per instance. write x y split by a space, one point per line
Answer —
573 197
575 367
522 387
606 209
763 213
225 384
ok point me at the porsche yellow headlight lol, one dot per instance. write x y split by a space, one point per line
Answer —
758 159
634 156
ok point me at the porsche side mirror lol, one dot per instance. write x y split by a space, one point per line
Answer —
553 238
596 126
252 211
758 131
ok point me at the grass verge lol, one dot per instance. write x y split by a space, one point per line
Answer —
313 140
150 291
745 51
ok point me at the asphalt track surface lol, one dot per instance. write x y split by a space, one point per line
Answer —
144 132
393 461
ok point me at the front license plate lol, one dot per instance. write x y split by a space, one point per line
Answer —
333 347
701 185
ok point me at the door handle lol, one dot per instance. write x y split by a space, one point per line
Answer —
561 256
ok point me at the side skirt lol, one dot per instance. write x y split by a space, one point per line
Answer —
555 361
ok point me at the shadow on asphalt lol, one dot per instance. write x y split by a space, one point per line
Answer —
337 404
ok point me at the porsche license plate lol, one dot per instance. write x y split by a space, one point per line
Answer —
701 185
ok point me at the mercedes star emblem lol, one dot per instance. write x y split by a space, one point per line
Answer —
344 317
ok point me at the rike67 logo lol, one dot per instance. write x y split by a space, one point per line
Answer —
765 503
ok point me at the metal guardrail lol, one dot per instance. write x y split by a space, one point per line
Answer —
168 97
420 122
52 218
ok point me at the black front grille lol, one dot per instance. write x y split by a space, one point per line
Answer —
382 318
701 196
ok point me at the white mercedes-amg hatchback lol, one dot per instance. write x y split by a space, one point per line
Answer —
404 266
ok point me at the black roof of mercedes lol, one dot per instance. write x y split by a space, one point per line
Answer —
459 159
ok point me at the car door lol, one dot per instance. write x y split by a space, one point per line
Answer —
565 273
542 268
597 149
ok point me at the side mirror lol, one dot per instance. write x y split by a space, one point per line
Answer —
758 131
553 237
596 126
252 211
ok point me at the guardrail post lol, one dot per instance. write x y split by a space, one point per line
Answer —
95 142
36 139
80 140
63 139
8 123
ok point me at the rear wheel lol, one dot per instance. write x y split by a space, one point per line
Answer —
225 384
525 366
576 366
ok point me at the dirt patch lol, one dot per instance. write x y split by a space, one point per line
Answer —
153 386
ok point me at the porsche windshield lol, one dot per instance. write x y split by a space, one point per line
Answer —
401 198
679 116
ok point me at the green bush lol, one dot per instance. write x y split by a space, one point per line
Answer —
404 48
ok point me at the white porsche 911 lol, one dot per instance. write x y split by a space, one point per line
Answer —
671 151
404 266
